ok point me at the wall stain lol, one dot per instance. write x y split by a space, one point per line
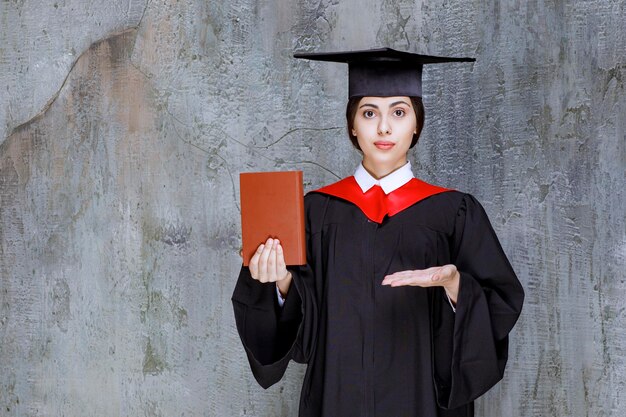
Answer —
160 309
116 39
172 234
61 304
153 363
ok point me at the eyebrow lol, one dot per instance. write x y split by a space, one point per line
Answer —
395 103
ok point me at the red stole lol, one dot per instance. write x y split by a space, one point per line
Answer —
374 203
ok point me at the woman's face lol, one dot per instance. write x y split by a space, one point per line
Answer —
384 127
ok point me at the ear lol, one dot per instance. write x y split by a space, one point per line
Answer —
353 132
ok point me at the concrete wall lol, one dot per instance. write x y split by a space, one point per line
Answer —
124 125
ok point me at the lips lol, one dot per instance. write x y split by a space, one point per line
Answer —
383 144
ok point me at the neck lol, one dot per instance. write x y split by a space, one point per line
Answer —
379 171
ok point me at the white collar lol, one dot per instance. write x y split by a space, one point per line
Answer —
388 183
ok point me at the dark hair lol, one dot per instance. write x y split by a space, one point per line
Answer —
352 108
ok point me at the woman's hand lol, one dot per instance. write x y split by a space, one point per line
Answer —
445 276
268 265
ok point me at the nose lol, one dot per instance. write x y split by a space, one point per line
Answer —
383 126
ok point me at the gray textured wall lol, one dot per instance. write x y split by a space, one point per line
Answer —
124 125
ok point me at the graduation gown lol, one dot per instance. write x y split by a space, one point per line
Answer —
377 351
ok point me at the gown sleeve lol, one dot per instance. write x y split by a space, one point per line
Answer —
471 347
272 335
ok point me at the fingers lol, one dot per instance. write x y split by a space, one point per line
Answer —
271 262
276 268
415 277
268 262
254 262
280 260
263 260
434 276
264 257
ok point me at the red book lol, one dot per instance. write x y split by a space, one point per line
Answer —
272 205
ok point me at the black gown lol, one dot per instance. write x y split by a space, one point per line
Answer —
374 350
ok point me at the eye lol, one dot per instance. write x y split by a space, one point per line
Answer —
368 114
399 112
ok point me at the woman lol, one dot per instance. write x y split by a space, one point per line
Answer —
407 299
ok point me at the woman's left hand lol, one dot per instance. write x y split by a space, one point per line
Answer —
446 276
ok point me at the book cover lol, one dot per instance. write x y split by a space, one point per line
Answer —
272 205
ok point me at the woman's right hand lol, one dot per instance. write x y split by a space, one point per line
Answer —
268 265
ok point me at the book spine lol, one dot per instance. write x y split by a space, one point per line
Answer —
301 225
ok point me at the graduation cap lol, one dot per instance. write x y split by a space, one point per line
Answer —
382 72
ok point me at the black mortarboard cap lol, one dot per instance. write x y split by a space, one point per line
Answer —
382 72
